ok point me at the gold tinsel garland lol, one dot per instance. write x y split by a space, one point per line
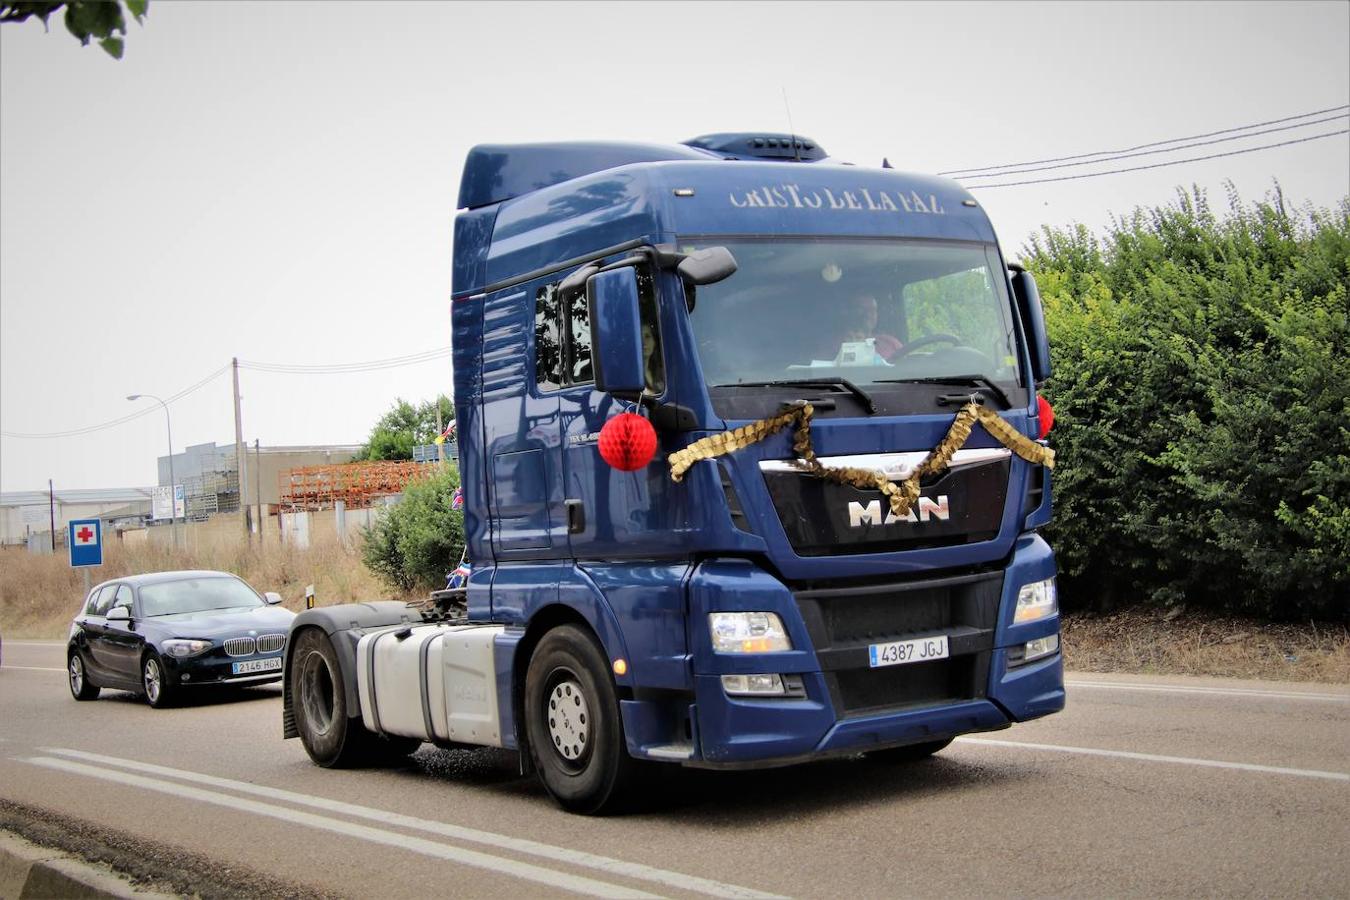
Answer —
902 496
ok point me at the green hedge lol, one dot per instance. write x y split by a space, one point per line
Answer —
1202 400
416 543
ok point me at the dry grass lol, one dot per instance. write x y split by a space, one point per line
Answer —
1146 641
39 595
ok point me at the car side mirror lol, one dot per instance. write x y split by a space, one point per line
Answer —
616 330
119 614
272 597
1033 322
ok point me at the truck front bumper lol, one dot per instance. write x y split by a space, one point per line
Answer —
986 689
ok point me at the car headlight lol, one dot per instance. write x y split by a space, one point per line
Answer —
1036 601
748 632
180 647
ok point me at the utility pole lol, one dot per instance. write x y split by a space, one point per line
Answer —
257 487
239 450
51 498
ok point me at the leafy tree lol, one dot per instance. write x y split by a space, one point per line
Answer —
1202 401
86 19
406 426
417 542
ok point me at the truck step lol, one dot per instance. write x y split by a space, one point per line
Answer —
670 751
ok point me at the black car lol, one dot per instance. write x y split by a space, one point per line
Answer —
160 634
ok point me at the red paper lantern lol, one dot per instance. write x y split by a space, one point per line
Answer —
627 442
1046 414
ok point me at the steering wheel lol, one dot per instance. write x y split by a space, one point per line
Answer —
926 340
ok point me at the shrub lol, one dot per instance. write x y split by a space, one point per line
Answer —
1201 392
414 544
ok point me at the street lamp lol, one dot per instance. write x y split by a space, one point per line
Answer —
173 499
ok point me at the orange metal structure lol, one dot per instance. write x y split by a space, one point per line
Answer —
356 484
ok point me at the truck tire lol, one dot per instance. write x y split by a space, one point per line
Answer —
909 752
334 737
573 724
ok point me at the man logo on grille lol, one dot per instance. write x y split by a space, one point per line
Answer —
929 508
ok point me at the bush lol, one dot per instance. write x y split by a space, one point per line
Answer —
414 544
1201 393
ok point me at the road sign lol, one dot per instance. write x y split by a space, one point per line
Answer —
84 537
160 503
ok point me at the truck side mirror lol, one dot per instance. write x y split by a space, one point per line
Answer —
612 298
1033 322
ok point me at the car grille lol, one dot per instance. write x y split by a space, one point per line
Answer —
271 643
843 622
245 646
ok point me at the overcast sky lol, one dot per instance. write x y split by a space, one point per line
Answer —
277 181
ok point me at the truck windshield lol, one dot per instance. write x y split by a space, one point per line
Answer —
869 311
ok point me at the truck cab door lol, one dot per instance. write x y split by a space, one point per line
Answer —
609 514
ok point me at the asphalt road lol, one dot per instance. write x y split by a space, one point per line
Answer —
1142 787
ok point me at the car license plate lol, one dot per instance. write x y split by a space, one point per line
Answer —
249 666
897 653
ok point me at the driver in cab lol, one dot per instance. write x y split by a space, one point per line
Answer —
861 344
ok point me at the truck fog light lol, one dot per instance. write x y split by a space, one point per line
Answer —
748 632
1036 601
753 685
1041 647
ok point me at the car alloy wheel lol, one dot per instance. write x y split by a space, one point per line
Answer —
153 680
80 686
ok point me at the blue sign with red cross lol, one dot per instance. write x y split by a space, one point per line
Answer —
84 537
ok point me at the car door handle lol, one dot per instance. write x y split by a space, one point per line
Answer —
576 516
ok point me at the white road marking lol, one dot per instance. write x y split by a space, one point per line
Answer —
1234 692
538 874
33 668
501 841
1154 757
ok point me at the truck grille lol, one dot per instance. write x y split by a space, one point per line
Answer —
271 643
844 621
244 646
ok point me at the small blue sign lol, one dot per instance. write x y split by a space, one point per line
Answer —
84 537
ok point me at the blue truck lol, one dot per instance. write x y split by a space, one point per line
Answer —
747 610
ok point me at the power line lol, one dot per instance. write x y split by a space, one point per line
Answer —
1106 159
1036 162
345 368
90 429
1175 162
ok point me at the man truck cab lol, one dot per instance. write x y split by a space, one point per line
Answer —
747 612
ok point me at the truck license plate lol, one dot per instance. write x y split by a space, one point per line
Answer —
897 653
264 665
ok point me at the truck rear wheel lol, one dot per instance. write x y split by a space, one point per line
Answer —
334 737
573 723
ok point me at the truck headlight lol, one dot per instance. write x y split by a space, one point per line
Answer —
747 632
181 648
1036 601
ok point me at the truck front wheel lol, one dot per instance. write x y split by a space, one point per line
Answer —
334 737
574 728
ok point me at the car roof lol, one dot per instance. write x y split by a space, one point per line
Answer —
161 577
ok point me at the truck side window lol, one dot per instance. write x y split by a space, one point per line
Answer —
579 347
547 339
653 363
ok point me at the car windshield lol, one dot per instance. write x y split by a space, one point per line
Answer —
869 311
197 595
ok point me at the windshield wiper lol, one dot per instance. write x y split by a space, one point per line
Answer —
982 382
863 397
